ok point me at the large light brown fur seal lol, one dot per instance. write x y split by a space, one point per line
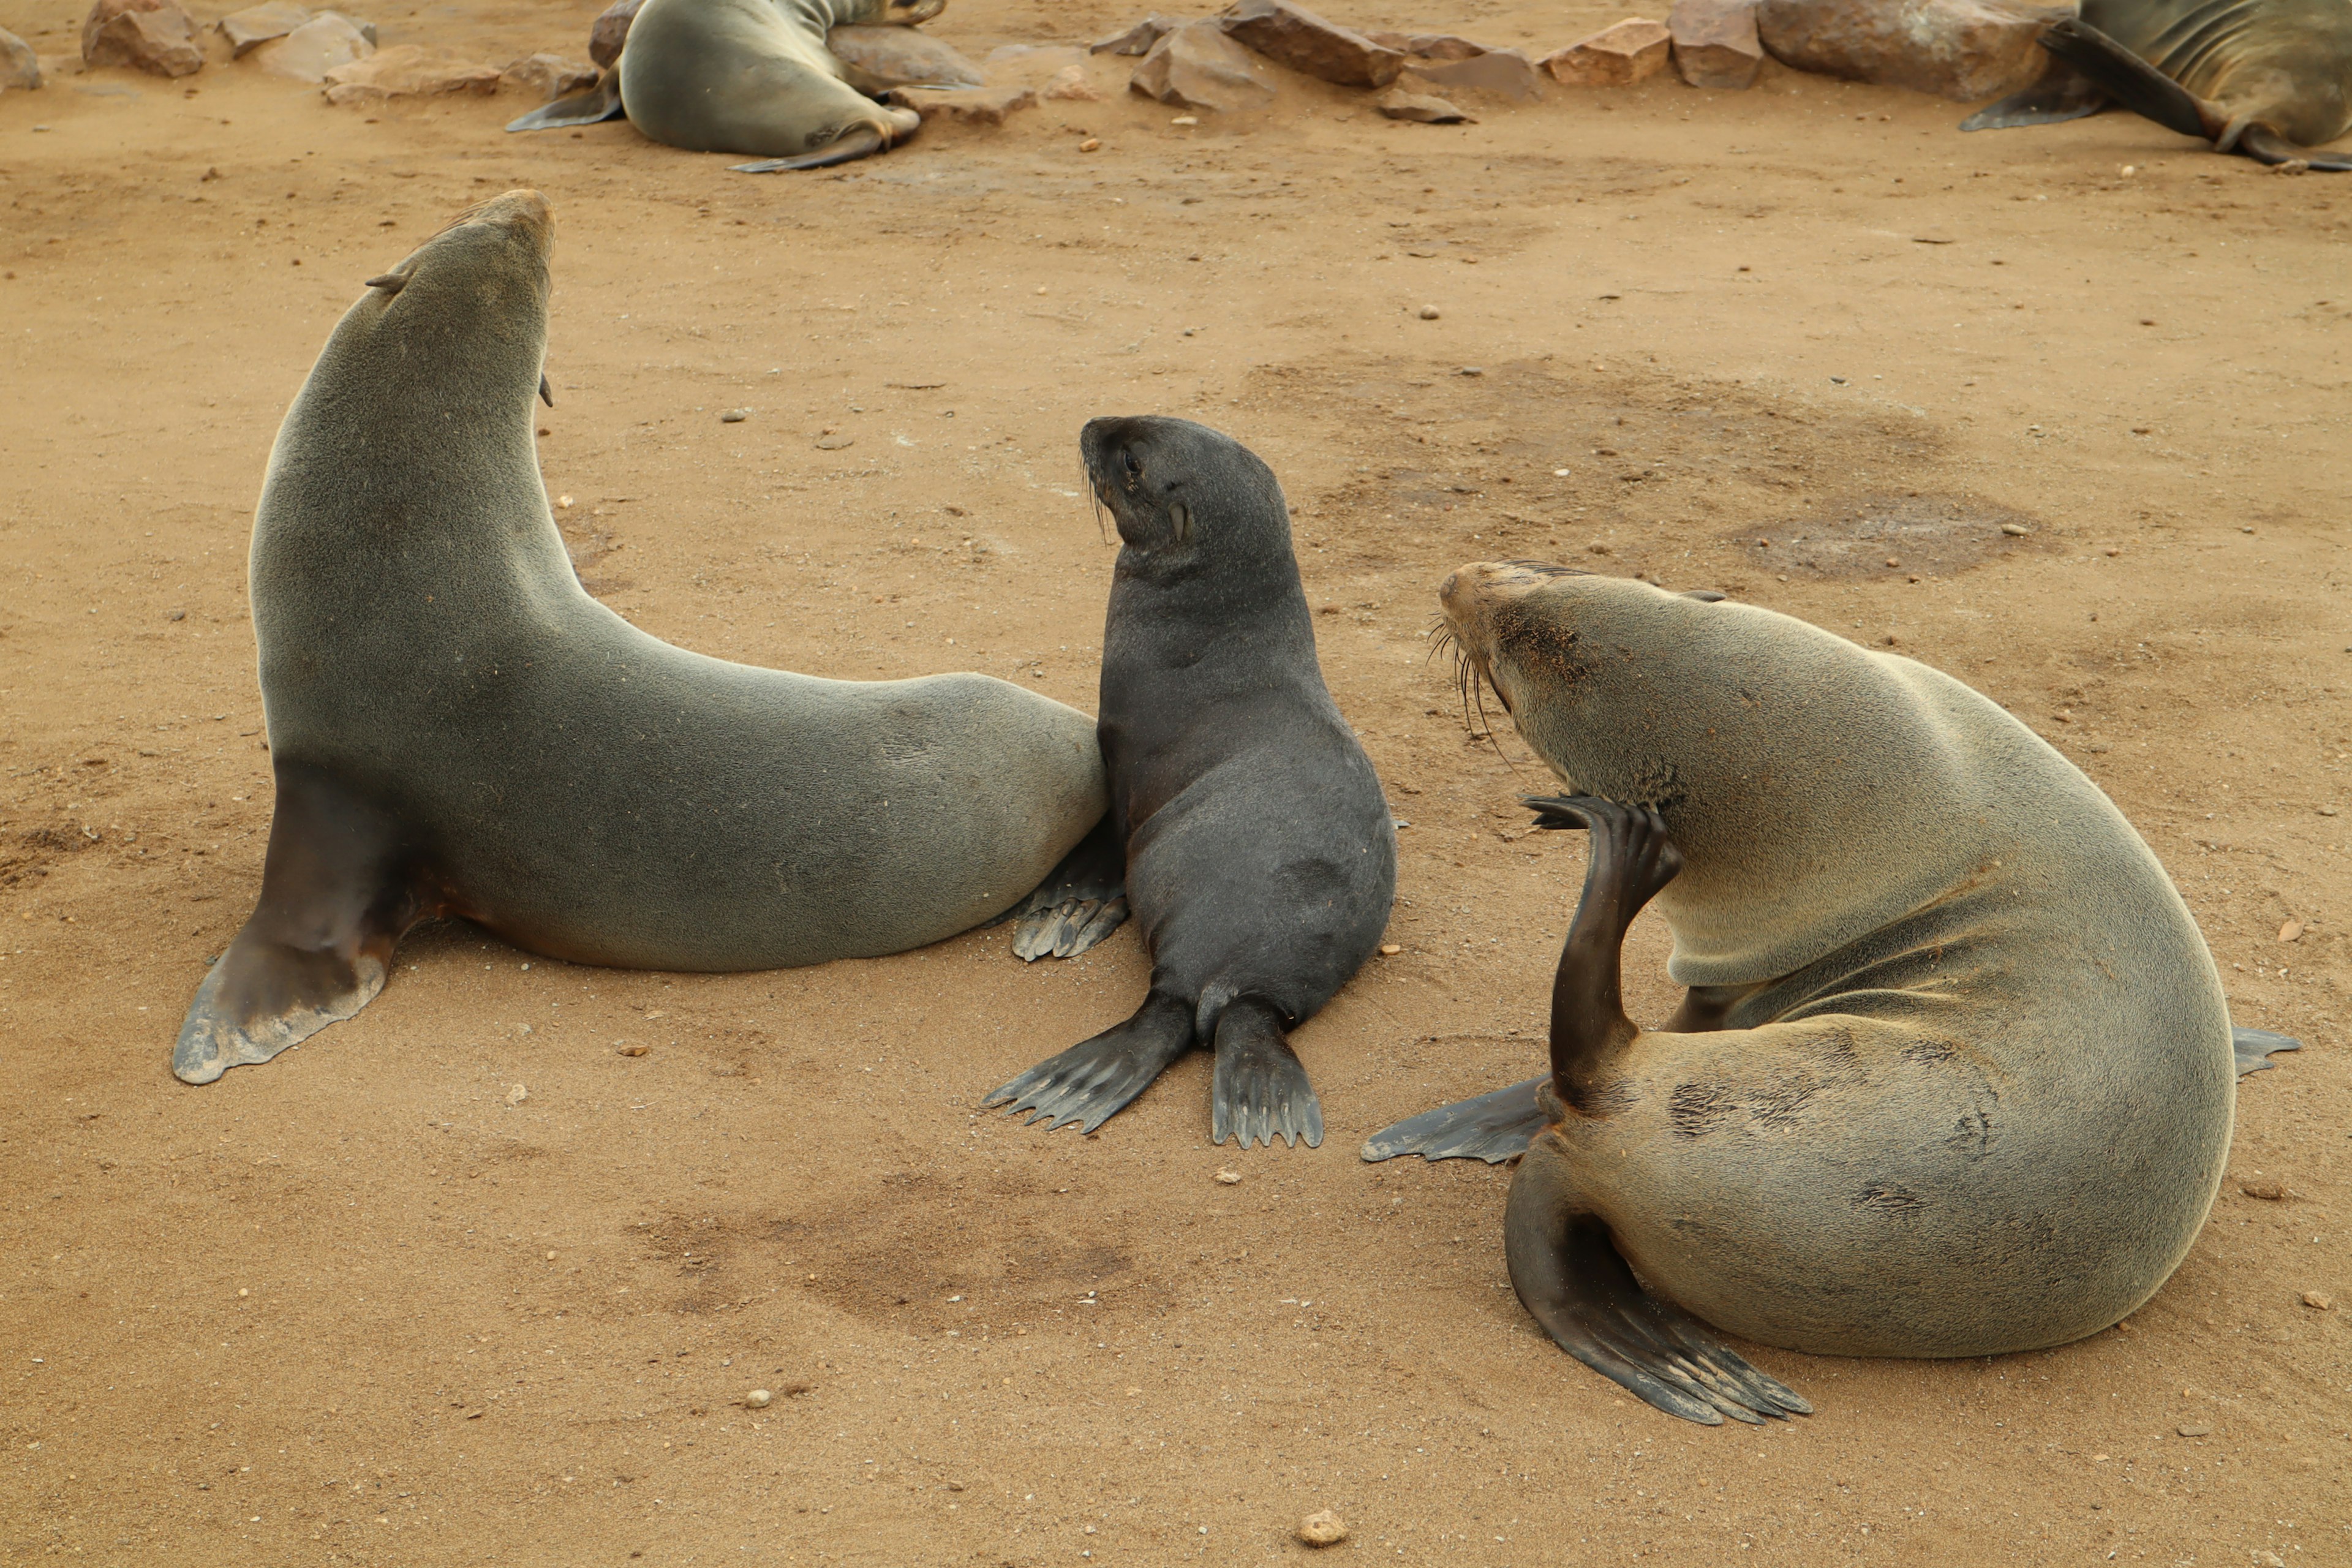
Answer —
1954 1075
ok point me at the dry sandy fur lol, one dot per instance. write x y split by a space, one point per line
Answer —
371 1304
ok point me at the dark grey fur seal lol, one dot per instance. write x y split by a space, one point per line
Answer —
1954 1075
458 727
2270 79
1260 856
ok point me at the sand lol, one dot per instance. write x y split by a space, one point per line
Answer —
458 1281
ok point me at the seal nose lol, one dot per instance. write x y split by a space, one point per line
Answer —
1445 589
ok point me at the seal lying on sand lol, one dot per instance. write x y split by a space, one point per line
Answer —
458 727
746 76
1953 1074
1260 855
2268 79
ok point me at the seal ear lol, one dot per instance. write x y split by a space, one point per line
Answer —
1705 596
544 395
390 282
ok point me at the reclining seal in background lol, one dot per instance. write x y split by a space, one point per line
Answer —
456 728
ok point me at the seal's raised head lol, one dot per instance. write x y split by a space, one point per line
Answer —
1502 624
477 289
1185 496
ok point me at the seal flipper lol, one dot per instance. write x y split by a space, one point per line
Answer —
2131 80
1570 1275
2061 93
589 106
2253 1049
1096 1080
861 143
337 890
1081 901
1493 1127
1260 1089
2265 145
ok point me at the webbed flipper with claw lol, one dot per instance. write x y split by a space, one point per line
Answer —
1079 903
1492 1127
2253 1049
1261 1092
1096 1080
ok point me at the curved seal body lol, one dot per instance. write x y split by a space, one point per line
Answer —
1260 855
457 727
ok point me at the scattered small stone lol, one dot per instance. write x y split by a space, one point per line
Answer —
1965 50
1227 1178
1290 35
1427 313
2267 1190
1507 73
1197 67
610 31
2195 1429
177 615
1137 40
757 1399
319 46
1069 85
735 416
1716 43
1091 144
549 77
408 71
631 1050
2291 930
2316 1301
2269 1560
1421 109
517 1095
550 1257
1322 1527
2015 530
878 59
963 105
1390 950
834 441
257 24
1633 50
153 35
2326 811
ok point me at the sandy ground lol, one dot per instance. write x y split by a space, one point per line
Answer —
361 1305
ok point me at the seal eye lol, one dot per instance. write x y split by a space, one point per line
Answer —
1134 469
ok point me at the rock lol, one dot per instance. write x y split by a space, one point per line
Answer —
760 1398
1428 312
319 46
1228 1178
2291 932
2195 1429
1322 1527
153 35
1420 108
1715 42
1504 72
20 67
1290 35
1430 46
1960 49
734 416
876 59
1032 65
631 1050
610 30
1137 40
1633 50
2316 1301
408 71
962 105
1197 67
259 24
549 77
2268 1191
517 1095
1070 83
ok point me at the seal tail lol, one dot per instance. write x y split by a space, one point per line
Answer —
1568 1271
1493 1127
2131 80
1096 1080
1081 901
2252 1048
590 106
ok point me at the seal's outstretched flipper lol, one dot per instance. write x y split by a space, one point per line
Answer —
1081 900
1096 1080
2253 1048
2061 93
590 106
1567 1270
2131 80
861 143
1261 1090
2265 145
1492 1127
338 889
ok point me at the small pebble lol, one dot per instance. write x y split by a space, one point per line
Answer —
1428 312
1473 370
177 615
517 1095
2316 1301
2289 931
630 1050
2195 1428
2015 530
1091 144
242 1292
1322 1527
563 502
2268 1191
1186 119
1389 949
550 1257
1224 1179
757 1399
735 416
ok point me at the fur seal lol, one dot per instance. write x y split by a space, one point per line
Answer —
1953 1074
2267 78
746 76
1260 856
456 728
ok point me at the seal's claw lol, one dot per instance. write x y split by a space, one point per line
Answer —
1260 1088
1096 1080
1081 901
2253 1049
1492 1127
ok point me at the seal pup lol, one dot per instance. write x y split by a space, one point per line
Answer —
2266 78
1259 852
456 728
1954 1073
746 76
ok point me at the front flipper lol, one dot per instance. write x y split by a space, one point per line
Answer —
1096 1080
861 143
338 889
1261 1090
1493 1127
590 106
1569 1274
2265 145
2062 93
2131 80
2253 1048
1079 903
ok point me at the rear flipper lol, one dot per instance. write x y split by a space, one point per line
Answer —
2062 93
1261 1090
1095 1079
589 106
1494 1127
1082 901
863 142
2265 145
2131 80
337 890
2253 1048
1569 1273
